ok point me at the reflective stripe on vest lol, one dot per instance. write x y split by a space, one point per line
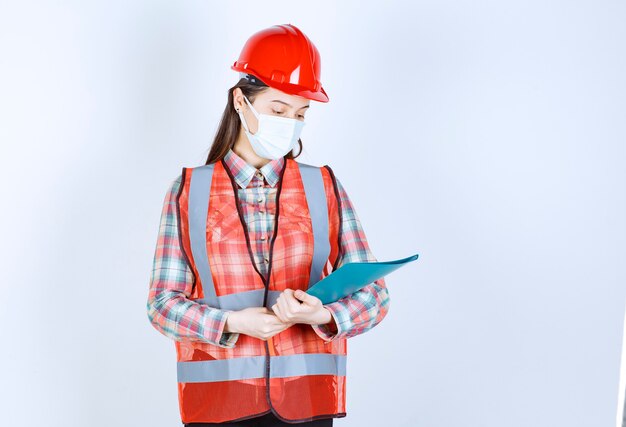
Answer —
240 368
199 193
318 209
199 189
242 300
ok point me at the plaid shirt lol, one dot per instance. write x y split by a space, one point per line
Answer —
179 318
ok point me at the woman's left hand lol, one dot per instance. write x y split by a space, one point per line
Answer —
296 306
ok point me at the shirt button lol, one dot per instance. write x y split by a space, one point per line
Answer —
263 237
259 174
260 199
261 212
266 260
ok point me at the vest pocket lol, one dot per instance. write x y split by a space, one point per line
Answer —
295 217
223 221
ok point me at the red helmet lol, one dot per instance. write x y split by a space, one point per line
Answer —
284 58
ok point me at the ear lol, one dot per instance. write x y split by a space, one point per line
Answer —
238 102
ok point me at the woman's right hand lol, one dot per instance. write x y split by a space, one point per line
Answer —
258 322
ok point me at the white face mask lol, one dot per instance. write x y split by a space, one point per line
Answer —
275 136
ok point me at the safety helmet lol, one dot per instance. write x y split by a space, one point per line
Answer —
284 58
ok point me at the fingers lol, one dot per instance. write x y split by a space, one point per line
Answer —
281 310
291 301
285 310
289 309
274 325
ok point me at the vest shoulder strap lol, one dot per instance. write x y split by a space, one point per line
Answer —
199 192
317 201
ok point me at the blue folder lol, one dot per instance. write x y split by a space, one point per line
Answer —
353 276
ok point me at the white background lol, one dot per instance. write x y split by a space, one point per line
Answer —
487 136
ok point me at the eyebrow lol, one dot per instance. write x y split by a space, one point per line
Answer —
289 105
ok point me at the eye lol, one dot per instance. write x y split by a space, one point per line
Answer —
301 116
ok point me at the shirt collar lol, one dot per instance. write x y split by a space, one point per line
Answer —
244 171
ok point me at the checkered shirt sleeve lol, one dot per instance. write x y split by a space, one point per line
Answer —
169 308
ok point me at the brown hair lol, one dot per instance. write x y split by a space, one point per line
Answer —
230 124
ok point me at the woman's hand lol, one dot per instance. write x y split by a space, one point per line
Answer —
296 306
258 322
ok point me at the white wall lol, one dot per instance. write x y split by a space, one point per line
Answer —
487 136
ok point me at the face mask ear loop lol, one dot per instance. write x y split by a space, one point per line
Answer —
252 108
243 119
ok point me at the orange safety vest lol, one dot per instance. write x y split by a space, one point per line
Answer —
295 374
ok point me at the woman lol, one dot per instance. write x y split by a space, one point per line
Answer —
242 238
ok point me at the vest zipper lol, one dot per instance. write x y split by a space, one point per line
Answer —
267 281
269 268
